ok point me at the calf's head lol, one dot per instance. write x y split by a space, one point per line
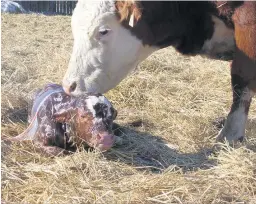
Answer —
90 118
104 51
93 121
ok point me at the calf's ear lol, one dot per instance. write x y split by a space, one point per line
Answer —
114 113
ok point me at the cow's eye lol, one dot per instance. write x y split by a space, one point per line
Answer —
103 31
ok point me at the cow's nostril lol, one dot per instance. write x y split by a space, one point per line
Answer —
72 88
69 88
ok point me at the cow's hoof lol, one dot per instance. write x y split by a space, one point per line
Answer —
220 145
241 139
230 138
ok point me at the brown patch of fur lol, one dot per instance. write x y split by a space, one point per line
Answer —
246 40
225 11
244 67
83 127
245 28
62 117
127 8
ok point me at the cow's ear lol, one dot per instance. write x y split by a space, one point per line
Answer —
129 10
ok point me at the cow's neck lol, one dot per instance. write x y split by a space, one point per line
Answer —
184 25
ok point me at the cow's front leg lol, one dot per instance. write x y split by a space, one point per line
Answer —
234 128
243 72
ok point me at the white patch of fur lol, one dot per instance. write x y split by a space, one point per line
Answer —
234 127
222 39
93 100
58 98
98 63
131 21
90 102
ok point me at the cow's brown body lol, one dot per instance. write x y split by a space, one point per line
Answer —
187 25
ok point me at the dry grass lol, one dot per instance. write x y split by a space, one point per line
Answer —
166 160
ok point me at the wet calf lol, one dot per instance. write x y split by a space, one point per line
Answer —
58 120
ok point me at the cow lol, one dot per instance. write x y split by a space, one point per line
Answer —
112 37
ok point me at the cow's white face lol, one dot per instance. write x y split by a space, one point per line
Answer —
104 52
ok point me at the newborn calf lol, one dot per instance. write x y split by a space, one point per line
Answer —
55 115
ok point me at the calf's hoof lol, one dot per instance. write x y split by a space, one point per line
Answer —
52 151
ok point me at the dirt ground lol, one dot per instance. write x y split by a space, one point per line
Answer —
167 159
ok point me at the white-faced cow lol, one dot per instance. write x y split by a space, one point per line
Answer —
112 37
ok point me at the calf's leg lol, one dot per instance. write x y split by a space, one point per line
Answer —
51 150
49 141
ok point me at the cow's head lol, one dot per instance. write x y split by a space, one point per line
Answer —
104 50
